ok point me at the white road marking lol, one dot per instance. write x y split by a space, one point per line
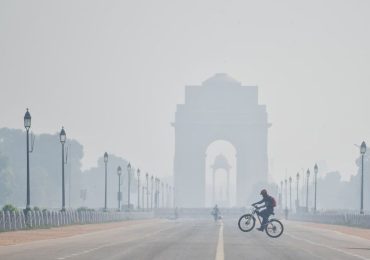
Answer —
220 245
328 247
111 244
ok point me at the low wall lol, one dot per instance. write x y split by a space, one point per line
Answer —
10 221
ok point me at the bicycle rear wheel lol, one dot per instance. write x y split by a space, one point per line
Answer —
246 222
274 228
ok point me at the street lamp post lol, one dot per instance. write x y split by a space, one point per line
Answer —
290 193
362 151
286 194
156 192
63 137
106 176
157 189
297 202
119 173
170 196
167 195
173 197
142 196
159 193
308 177
162 195
27 125
281 194
138 188
129 184
147 190
316 170
151 193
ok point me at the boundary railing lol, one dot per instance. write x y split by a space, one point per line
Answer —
10 221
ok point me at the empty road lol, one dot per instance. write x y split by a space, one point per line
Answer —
194 239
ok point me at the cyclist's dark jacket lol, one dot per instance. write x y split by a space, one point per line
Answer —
269 201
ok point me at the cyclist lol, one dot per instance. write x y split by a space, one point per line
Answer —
269 204
215 212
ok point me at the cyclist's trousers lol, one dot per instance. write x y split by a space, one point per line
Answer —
265 214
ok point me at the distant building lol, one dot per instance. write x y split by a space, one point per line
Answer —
220 109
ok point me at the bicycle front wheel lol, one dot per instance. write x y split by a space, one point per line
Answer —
274 228
246 222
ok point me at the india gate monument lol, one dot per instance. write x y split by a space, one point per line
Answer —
221 108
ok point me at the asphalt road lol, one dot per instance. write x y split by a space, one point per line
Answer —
194 239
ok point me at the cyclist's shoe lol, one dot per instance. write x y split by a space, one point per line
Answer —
260 228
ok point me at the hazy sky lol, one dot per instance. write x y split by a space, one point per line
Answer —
112 72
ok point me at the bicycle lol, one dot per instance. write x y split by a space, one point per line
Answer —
216 215
274 228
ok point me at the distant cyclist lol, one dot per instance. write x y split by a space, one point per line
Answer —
216 212
269 204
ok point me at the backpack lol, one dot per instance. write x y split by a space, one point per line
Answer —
273 202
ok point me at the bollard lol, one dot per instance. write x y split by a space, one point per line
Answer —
23 222
47 218
2 216
8 221
58 218
63 217
52 219
38 217
34 220
28 219
42 219
15 220
33 217
55 219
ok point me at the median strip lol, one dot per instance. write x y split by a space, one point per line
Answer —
220 245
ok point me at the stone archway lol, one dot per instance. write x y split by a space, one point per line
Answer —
221 162
221 108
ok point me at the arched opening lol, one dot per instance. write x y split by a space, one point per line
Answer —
220 174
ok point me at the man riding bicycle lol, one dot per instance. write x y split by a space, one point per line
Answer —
269 204
216 212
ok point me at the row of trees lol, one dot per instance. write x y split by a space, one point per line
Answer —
83 188
333 193
45 169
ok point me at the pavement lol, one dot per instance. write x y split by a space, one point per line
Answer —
193 239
